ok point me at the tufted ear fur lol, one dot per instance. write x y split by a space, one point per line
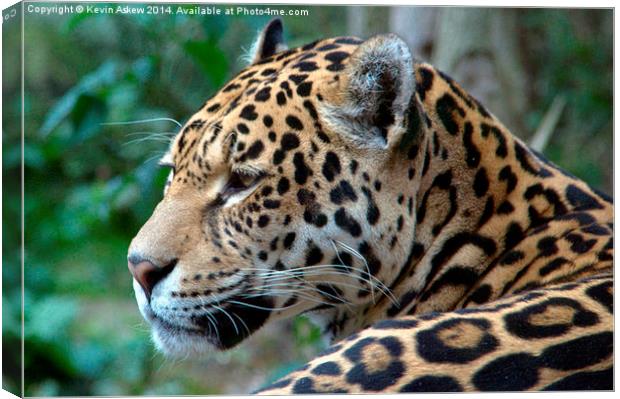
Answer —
378 93
269 42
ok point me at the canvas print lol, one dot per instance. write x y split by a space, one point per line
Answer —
208 199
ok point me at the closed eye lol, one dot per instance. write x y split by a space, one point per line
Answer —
241 180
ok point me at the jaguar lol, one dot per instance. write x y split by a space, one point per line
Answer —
348 180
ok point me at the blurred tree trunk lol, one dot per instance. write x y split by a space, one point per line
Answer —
416 26
356 20
479 48
367 21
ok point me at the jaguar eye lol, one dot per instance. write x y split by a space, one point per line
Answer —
240 181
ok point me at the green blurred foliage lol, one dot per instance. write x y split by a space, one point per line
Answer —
570 53
90 185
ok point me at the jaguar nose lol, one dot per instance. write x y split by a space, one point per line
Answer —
148 274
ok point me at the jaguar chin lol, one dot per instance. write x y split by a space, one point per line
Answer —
193 327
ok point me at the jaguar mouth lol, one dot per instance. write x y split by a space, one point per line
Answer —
236 321
217 327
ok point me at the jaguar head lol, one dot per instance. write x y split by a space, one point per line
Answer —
285 194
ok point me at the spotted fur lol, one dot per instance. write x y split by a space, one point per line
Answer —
347 180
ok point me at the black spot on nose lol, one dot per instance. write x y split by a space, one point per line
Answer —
148 274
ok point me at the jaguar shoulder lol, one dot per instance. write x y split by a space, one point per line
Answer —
347 179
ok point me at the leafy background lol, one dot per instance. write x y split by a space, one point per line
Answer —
89 185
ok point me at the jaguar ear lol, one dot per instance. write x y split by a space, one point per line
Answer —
269 42
378 89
